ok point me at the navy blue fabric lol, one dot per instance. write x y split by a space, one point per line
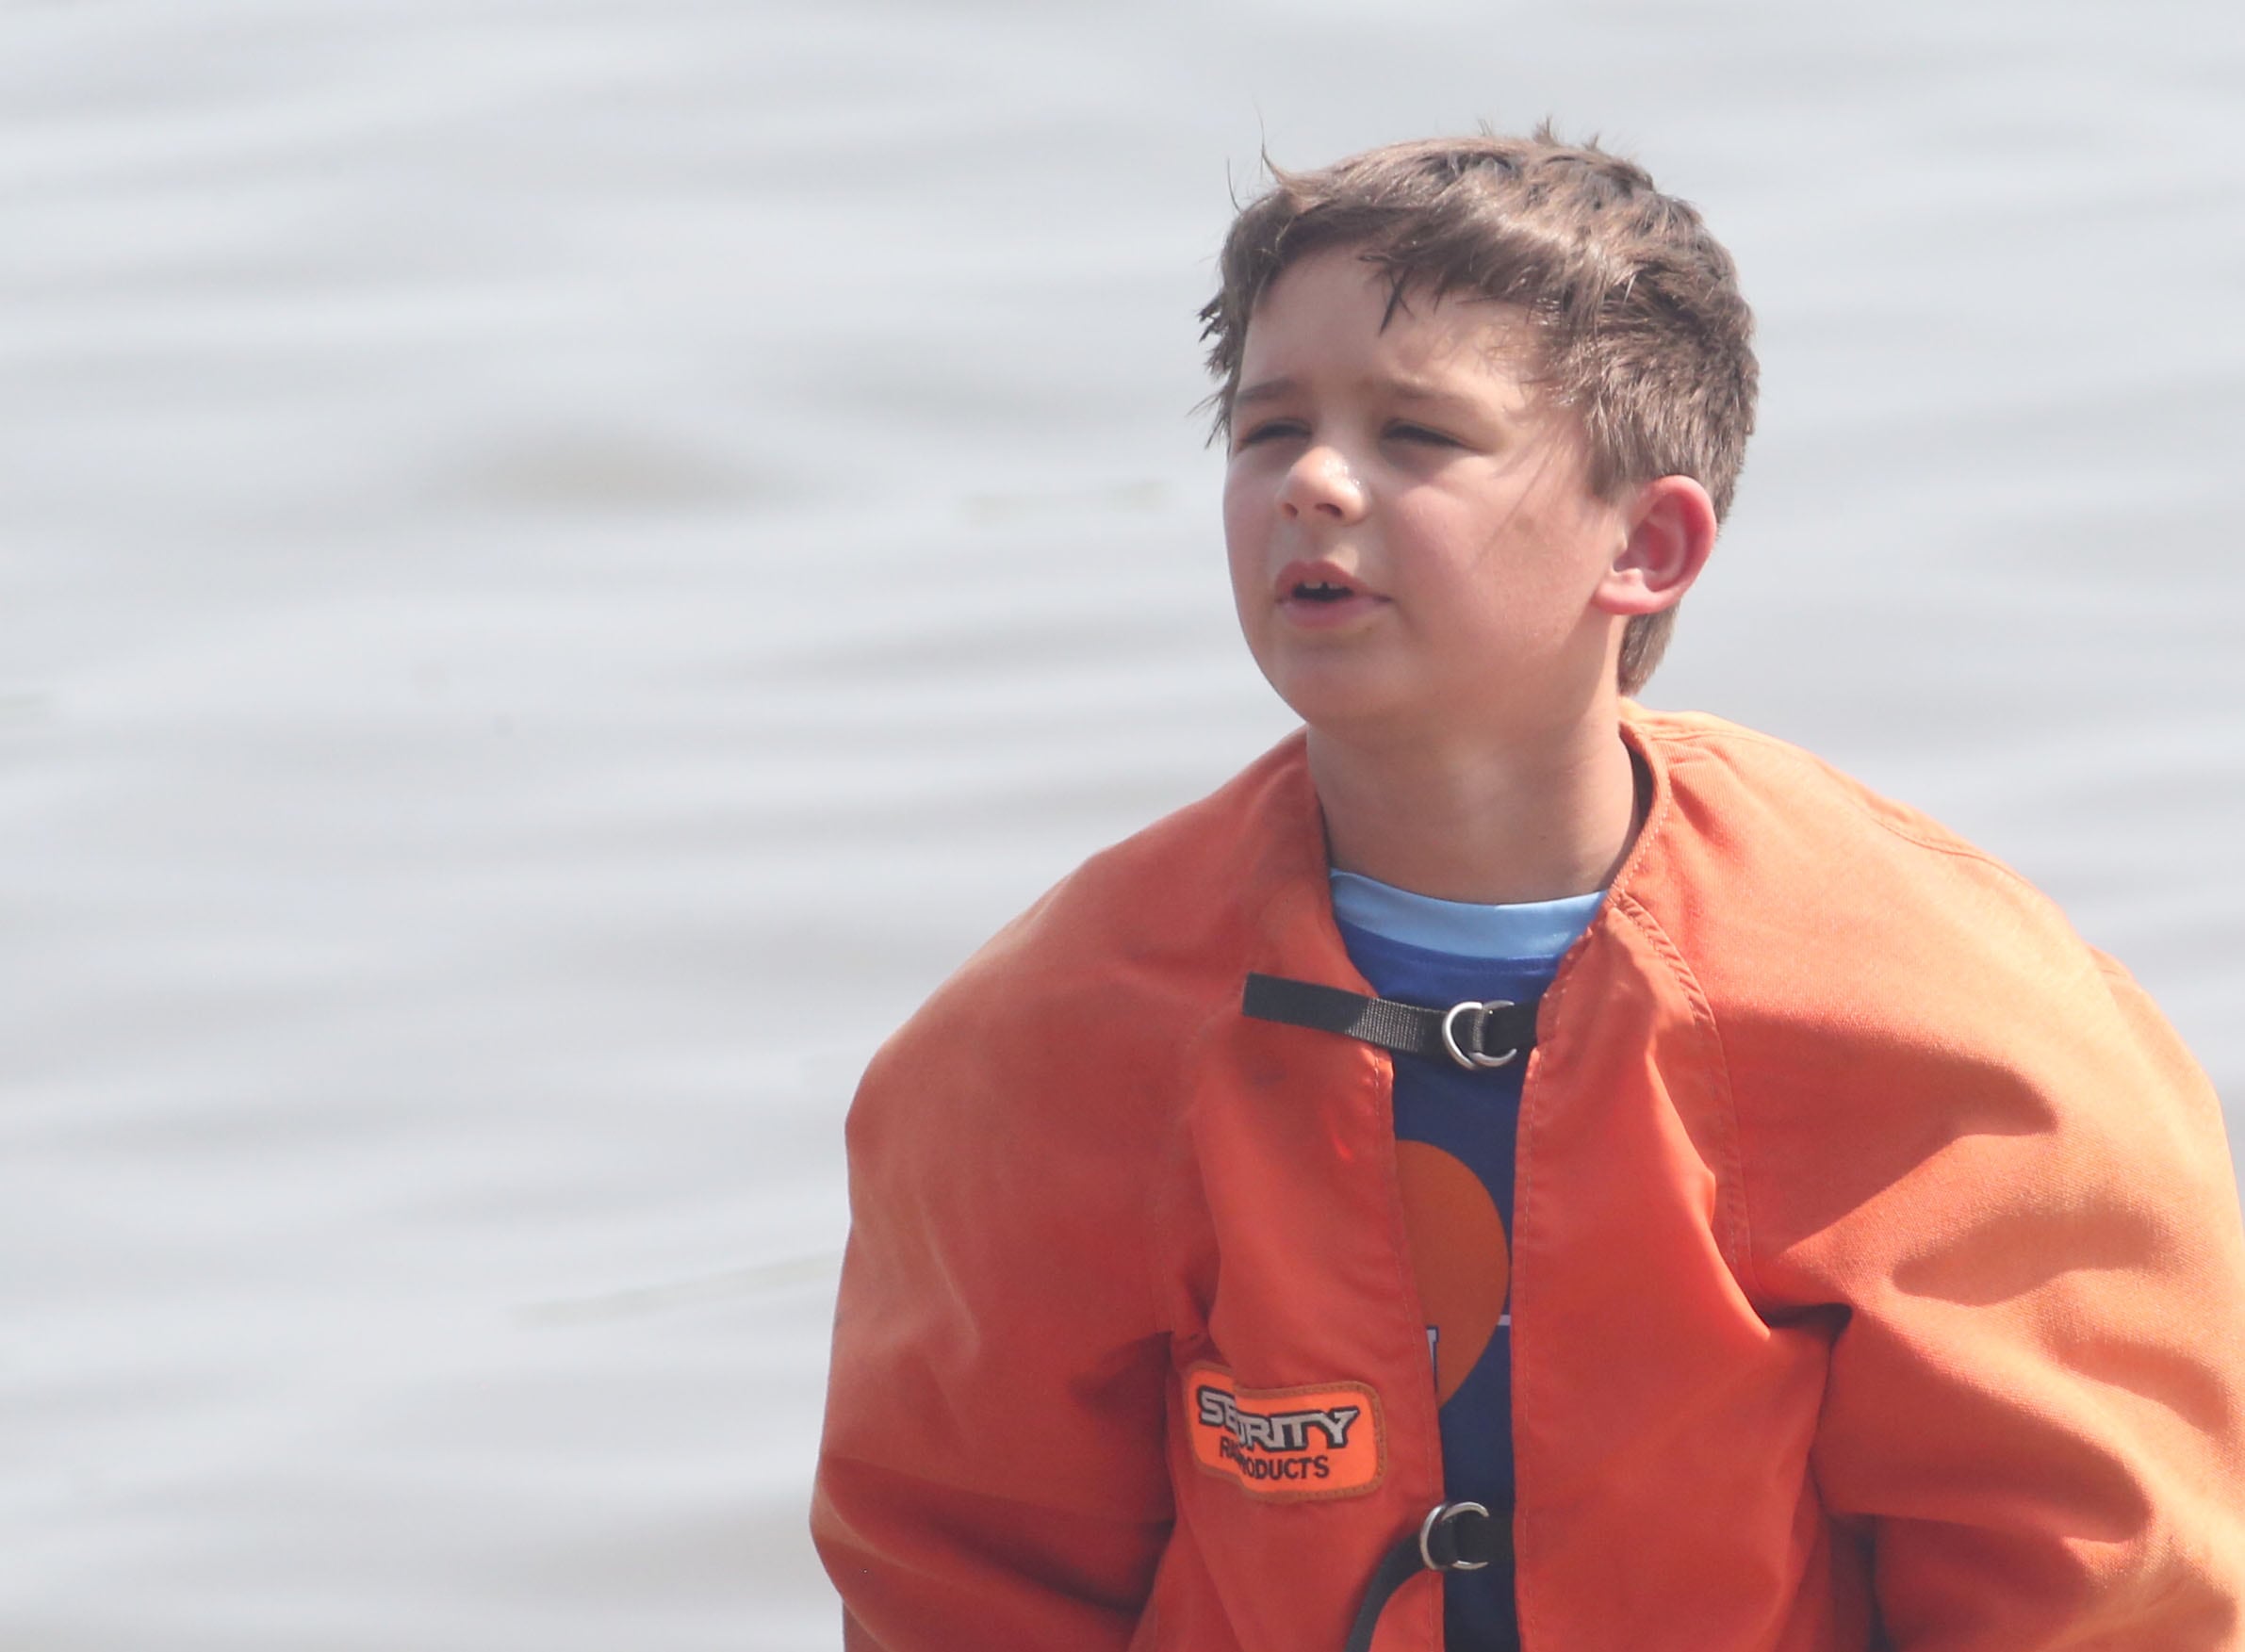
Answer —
1473 1116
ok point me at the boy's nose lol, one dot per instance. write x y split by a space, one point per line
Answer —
1321 484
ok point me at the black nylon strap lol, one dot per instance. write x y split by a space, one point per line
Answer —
1400 1566
1456 1535
1485 1034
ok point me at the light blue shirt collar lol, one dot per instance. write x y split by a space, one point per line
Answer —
1530 929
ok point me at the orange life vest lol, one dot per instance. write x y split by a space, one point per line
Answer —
1877 1272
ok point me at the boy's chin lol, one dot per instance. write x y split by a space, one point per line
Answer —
1359 723
1326 708
1336 690
1450 725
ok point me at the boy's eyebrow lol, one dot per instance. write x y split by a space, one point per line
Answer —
1278 389
1266 391
1411 390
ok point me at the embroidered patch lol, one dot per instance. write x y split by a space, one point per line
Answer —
1286 1443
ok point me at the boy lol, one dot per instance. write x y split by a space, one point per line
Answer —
1606 1159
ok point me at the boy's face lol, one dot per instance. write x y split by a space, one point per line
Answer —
1414 550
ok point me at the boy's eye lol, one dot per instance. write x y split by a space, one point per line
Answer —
1419 432
1268 430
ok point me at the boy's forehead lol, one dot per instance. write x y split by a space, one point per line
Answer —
1334 301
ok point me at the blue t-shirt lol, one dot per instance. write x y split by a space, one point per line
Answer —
1455 1132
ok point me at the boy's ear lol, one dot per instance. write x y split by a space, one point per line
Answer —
1672 528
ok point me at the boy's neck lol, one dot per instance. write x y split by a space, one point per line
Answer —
1534 822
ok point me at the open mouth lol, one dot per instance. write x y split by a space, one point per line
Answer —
1320 587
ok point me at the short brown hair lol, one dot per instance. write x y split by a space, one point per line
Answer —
1634 306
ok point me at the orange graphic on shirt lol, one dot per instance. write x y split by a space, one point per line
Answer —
1458 1255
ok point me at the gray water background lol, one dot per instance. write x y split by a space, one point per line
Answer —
564 562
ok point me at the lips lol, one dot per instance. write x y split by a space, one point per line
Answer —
1318 582
1317 595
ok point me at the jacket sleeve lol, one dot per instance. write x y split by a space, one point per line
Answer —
2034 1415
993 1472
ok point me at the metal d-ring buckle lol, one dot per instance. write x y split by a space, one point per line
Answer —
1449 1035
1440 1513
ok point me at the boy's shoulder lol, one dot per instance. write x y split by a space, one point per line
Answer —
1716 760
1195 881
1819 923
1899 1040
1741 812
1136 949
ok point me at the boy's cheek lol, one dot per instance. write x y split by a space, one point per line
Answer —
1235 510
1245 557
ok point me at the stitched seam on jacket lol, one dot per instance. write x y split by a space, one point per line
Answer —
1956 850
1175 1149
1525 1534
1525 1537
1955 847
1703 1015
1681 747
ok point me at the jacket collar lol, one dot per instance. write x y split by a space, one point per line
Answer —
1287 871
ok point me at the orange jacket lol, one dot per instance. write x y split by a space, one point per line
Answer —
1877 1271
